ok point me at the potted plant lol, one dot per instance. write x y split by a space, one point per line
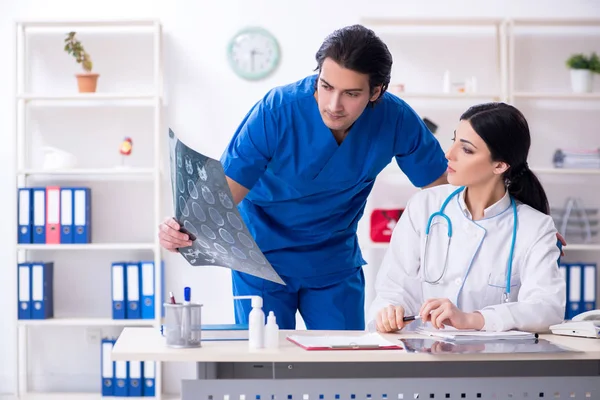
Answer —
595 63
86 81
581 72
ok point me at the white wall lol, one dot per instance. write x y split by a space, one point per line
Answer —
205 103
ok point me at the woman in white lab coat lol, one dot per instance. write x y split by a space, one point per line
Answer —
496 272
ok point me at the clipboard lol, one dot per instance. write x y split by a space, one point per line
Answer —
371 341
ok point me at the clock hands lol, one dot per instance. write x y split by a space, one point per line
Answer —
253 53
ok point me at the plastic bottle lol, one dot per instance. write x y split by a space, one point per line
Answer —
256 322
186 317
271 332
446 83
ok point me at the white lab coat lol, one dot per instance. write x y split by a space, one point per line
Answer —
475 278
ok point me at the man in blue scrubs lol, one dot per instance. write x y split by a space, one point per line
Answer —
300 167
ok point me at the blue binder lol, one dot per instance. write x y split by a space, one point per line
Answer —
589 287
118 290
564 272
66 215
121 379
25 215
148 286
133 291
149 389
574 301
107 367
39 215
163 289
42 287
135 378
82 215
24 290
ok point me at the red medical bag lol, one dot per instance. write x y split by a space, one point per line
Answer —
383 222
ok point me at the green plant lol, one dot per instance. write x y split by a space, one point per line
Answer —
595 63
73 46
578 61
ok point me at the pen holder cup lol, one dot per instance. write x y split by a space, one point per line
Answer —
182 327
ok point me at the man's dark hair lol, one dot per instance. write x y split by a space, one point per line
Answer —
359 49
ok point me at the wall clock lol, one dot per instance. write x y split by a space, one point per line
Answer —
253 53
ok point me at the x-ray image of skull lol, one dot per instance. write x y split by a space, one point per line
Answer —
205 209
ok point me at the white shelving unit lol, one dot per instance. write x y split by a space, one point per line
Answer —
512 25
26 98
518 96
498 25
506 72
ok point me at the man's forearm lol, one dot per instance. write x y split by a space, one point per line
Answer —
442 180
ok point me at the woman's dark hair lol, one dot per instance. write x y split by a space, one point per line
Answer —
359 49
505 131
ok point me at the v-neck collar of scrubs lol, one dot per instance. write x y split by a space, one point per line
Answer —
339 157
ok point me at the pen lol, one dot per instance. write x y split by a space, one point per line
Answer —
411 318
172 298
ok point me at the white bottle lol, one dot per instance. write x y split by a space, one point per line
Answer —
271 332
256 322
446 85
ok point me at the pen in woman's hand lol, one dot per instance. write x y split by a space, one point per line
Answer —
411 318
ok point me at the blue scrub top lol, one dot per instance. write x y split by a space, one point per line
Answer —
307 193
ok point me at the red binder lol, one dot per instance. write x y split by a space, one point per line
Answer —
53 215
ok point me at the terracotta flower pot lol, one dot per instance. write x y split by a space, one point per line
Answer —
87 82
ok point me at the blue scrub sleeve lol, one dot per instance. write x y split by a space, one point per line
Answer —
417 151
252 146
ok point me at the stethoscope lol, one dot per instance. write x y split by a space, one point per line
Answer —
441 213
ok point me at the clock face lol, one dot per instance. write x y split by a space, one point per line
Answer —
253 53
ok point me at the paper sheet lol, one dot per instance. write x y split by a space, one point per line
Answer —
450 333
204 208
370 340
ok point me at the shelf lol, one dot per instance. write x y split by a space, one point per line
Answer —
556 21
88 246
430 21
95 173
392 171
66 396
567 171
85 396
569 247
100 26
441 95
557 95
87 23
86 322
90 99
582 247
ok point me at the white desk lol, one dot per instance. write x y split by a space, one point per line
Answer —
227 370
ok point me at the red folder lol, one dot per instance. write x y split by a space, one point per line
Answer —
53 215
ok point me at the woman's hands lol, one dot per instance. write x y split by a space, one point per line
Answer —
441 312
390 319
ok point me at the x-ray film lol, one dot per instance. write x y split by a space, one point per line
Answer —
205 210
